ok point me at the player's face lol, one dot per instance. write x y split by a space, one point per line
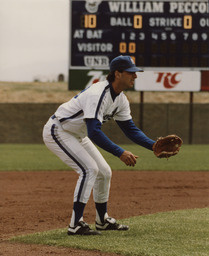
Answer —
127 79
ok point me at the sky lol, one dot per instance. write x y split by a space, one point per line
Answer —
34 40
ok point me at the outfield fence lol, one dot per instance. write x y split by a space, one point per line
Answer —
23 123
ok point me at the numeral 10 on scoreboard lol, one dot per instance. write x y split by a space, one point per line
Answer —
90 21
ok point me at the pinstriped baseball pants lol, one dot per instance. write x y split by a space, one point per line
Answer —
84 158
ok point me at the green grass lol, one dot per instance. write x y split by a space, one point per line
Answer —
37 157
178 233
23 157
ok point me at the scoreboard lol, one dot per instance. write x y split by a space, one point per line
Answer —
157 34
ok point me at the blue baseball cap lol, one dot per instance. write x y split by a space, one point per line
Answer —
124 63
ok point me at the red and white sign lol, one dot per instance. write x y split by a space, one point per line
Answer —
168 81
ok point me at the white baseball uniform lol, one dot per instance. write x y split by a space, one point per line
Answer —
65 134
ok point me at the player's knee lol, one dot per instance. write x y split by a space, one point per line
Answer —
107 172
94 169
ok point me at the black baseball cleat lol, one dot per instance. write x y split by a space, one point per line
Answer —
82 228
111 224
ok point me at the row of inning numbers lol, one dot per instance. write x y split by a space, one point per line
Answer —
166 36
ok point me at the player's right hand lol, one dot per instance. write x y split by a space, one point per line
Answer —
128 158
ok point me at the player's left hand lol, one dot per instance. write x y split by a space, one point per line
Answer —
128 158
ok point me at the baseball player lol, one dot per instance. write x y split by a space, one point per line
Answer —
74 129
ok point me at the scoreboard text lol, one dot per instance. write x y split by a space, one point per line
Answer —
154 33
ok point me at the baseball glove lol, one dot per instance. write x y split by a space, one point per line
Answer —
167 146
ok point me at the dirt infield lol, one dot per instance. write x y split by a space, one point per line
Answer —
40 201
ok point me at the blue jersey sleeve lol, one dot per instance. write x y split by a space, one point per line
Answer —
135 134
100 139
